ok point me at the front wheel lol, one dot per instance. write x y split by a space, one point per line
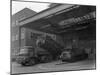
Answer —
29 62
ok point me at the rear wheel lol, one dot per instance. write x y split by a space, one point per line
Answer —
45 58
23 64
32 62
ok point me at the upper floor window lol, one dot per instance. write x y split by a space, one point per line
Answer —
15 23
15 37
22 35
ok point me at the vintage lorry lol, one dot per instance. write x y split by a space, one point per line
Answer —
74 54
47 50
30 56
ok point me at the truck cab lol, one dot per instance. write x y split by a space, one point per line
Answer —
73 55
26 56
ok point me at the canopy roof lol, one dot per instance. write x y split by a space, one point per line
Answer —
61 18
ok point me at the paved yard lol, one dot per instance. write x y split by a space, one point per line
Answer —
53 66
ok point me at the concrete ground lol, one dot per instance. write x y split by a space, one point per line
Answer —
53 66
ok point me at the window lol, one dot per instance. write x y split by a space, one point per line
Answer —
13 24
16 37
13 38
22 35
16 22
31 35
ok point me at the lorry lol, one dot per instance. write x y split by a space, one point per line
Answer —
28 56
48 50
74 54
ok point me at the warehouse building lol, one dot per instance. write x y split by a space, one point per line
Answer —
69 25
24 13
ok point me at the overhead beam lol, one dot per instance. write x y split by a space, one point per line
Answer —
45 13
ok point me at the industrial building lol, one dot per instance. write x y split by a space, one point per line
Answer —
24 13
64 23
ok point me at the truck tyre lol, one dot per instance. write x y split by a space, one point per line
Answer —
66 56
29 62
46 58
23 64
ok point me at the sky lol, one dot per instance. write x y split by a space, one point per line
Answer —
17 6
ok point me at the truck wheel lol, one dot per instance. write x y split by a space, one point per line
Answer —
46 58
23 64
30 62
66 56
